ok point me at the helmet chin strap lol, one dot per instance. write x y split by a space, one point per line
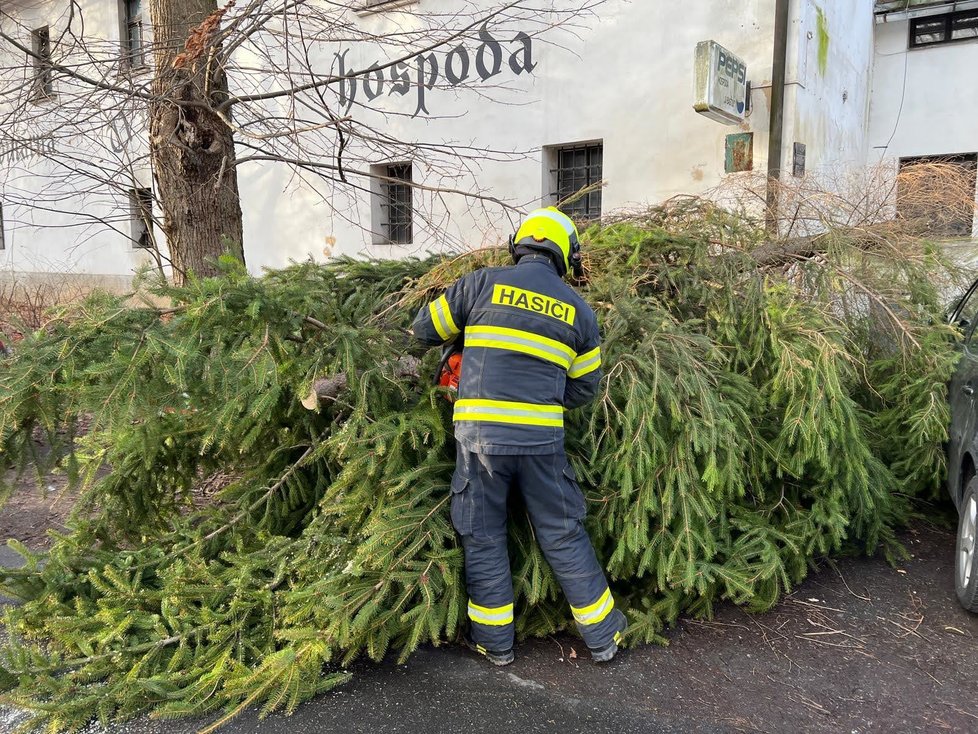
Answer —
577 265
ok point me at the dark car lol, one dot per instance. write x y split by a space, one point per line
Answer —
962 449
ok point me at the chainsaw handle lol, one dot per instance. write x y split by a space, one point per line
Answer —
452 347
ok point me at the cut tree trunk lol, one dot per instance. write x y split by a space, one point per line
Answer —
192 147
330 387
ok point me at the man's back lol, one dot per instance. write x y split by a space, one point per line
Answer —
531 350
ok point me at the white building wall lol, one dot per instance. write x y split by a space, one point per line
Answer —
625 78
830 54
74 227
923 99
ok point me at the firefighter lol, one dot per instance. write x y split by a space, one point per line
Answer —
531 352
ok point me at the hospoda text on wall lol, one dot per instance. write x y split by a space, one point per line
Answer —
18 151
424 71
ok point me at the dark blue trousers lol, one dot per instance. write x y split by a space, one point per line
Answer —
480 488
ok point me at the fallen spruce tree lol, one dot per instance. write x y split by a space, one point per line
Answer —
762 407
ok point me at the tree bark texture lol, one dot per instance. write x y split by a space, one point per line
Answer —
192 148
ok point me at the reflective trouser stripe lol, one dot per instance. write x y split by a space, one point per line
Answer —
585 363
594 613
505 411
441 317
492 616
516 340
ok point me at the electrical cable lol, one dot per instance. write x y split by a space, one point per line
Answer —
903 97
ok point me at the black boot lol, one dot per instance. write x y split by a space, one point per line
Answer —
607 653
496 657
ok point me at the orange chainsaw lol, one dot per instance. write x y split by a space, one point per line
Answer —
450 369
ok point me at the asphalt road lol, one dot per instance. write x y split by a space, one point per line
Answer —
860 647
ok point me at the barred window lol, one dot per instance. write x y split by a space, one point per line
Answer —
578 167
132 40
397 206
141 218
932 30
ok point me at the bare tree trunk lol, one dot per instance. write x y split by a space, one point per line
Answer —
192 148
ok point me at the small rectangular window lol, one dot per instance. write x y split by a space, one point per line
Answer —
132 40
141 218
964 26
43 73
933 30
396 202
578 167
799 160
936 194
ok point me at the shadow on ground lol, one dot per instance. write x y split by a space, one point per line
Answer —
859 647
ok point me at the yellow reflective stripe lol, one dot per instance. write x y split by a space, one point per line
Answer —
442 301
509 405
594 613
507 411
519 348
441 317
592 607
517 420
492 616
504 331
490 611
524 342
585 363
596 352
436 320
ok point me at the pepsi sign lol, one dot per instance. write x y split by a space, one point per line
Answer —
721 83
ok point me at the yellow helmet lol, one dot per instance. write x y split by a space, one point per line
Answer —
552 231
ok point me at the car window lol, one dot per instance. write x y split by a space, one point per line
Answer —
966 311
970 343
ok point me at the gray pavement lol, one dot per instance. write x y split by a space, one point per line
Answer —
8 559
860 647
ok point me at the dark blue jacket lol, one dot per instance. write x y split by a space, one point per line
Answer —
532 350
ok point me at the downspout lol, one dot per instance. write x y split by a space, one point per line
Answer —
776 134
